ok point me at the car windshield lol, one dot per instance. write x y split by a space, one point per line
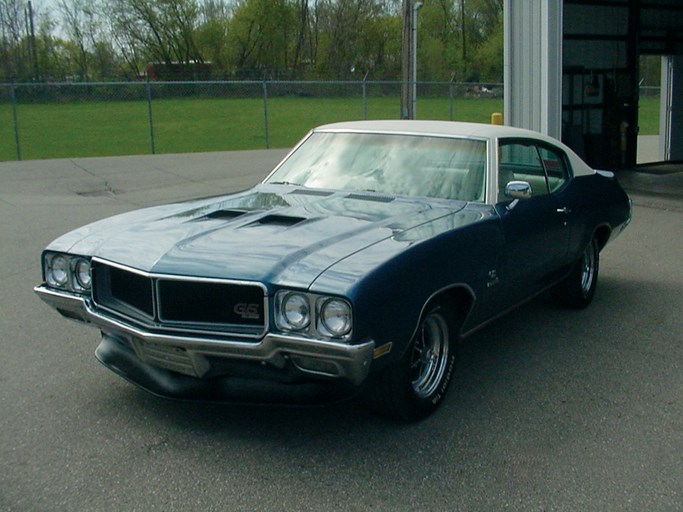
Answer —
409 165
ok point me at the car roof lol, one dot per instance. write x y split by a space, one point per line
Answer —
454 129
450 128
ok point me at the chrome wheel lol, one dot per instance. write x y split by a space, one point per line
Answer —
414 386
429 355
588 268
578 288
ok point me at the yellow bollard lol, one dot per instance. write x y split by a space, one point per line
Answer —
497 118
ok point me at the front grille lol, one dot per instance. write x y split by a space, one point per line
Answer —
132 290
209 302
179 303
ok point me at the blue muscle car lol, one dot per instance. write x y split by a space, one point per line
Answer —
358 264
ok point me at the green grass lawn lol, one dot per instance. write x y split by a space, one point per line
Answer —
648 115
101 128
81 129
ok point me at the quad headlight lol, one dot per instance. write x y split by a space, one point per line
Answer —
57 271
67 272
296 311
81 273
313 315
335 317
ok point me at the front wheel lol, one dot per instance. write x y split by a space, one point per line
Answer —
415 386
578 288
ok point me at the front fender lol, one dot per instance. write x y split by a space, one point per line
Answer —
389 300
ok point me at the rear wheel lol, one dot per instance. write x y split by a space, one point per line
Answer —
415 386
578 288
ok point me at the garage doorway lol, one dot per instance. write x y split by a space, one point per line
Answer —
649 108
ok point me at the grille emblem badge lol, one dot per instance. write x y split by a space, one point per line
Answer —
247 311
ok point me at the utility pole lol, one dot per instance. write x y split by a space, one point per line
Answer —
416 7
406 60
464 38
409 58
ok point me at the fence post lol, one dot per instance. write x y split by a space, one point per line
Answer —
15 119
450 94
365 98
150 117
265 112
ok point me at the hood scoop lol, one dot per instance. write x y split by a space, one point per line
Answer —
283 221
225 214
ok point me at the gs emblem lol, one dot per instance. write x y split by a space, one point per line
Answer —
247 311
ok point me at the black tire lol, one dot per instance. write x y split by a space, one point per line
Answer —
576 291
414 387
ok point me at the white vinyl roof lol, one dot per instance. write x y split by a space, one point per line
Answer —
455 129
449 128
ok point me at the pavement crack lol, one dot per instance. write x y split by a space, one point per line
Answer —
108 189
6 202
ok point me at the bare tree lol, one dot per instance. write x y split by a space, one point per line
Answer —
159 30
342 27
264 33
14 52
79 23
212 35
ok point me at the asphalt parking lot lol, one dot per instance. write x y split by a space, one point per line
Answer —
550 410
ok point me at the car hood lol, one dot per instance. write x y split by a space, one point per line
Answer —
273 234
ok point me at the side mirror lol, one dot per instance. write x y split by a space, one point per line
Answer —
518 190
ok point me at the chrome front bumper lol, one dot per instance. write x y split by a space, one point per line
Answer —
190 355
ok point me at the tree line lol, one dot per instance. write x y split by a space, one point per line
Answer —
94 40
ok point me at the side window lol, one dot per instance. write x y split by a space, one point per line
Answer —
520 162
555 167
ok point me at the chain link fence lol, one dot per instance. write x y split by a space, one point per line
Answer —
66 120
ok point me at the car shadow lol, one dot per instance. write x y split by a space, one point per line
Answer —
536 366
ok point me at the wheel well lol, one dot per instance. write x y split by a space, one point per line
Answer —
459 298
602 234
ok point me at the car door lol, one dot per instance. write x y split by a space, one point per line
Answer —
535 229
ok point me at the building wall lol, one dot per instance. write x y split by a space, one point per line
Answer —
671 117
571 71
533 65
595 36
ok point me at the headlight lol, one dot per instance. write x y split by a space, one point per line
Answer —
67 272
335 317
296 311
313 316
57 271
81 273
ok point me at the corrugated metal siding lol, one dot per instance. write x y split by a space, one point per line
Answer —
533 65
672 109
